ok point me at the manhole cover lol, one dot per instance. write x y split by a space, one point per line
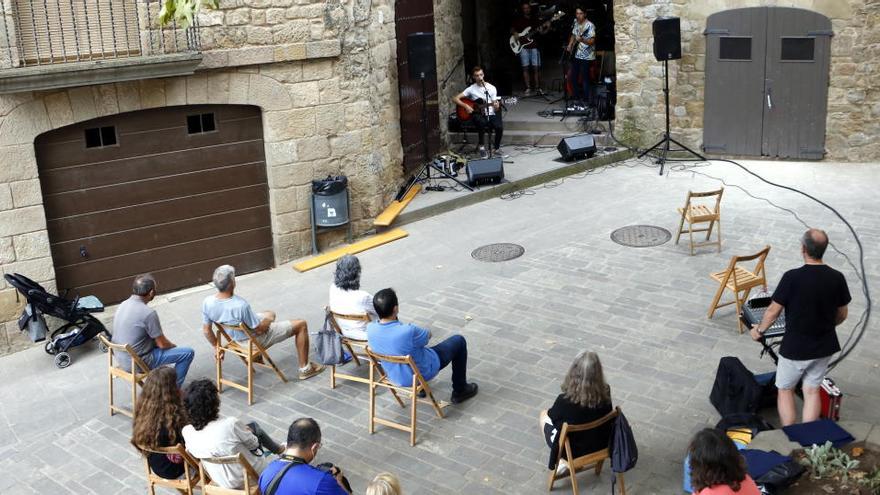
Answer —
498 252
641 236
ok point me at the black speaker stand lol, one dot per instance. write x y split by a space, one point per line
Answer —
664 142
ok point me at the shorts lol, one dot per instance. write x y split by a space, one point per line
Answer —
530 56
789 372
278 331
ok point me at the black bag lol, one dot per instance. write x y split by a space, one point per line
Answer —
782 475
735 389
624 452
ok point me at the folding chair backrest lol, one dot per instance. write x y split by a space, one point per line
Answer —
191 474
406 360
707 194
251 478
137 364
568 429
335 317
761 256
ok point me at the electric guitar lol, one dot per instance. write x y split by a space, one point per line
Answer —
523 39
478 105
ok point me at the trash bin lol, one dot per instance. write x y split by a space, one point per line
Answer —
330 206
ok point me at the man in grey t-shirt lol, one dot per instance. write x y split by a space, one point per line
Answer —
137 325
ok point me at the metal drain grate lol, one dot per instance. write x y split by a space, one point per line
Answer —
641 236
504 251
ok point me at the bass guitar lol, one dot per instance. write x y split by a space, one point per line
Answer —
478 105
523 39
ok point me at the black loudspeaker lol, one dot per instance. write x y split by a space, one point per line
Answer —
420 55
667 38
488 171
580 146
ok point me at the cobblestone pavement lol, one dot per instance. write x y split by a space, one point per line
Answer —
643 310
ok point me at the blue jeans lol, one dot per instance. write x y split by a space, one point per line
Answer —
454 350
180 357
580 69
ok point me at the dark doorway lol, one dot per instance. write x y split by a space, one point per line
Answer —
486 33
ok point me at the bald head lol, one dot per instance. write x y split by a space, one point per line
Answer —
815 241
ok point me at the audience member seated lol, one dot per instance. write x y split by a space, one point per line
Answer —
160 419
230 310
391 337
208 435
384 484
137 325
346 297
293 473
717 467
585 398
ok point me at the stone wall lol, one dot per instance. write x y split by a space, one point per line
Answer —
447 38
852 125
324 75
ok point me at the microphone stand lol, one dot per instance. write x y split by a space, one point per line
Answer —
489 134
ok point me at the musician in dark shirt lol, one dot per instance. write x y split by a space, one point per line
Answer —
530 55
815 298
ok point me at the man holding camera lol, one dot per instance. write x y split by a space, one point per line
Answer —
292 473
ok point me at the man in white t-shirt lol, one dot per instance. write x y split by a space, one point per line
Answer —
583 41
484 108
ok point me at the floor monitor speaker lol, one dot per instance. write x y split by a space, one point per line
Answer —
488 171
580 146
667 38
420 55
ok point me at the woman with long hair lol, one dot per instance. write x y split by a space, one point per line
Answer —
717 467
159 421
346 297
209 435
585 397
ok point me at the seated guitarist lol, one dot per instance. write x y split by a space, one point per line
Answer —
530 55
484 107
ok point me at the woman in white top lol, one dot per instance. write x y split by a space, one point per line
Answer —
347 298
209 435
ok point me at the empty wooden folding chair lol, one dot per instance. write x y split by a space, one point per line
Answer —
251 477
185 484
251 353
740 281
355 347
135 377
378 378
697 214
593 459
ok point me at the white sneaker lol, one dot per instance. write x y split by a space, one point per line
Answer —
500 153
527 92
561 467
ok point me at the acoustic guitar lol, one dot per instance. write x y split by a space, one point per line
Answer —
478 105
523 39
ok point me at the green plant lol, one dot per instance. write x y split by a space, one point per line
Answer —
825 461
183 11
872 481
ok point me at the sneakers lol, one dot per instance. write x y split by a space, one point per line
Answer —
561 468
540 91
528 92
312 370
501 154
469 391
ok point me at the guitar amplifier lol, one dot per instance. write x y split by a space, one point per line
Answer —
831 398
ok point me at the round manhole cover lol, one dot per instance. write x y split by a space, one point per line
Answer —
498 252
641 236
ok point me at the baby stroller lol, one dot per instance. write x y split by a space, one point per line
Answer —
80 326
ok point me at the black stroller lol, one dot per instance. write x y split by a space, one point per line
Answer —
80 326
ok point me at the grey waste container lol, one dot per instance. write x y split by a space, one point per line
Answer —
330 206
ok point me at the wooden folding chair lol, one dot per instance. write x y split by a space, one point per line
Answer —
186 484
251 478
135 377
740 281
576 464
695 214
419 384
248 350
349 344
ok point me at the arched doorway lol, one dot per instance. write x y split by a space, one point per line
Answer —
766 91
174 191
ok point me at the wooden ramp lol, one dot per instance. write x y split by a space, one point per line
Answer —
396 207
357 247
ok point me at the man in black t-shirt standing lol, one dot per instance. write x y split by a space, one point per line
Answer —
815 298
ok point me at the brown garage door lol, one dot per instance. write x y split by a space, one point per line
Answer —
173 191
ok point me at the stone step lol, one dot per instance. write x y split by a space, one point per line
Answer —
529 138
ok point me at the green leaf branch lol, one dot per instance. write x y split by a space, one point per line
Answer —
183 11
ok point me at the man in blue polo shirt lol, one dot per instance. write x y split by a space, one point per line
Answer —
391 337
292 473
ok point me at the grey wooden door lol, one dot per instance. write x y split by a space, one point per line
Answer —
796 88
766 88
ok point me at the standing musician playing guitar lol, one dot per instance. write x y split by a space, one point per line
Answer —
582 41
487 117
529 53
